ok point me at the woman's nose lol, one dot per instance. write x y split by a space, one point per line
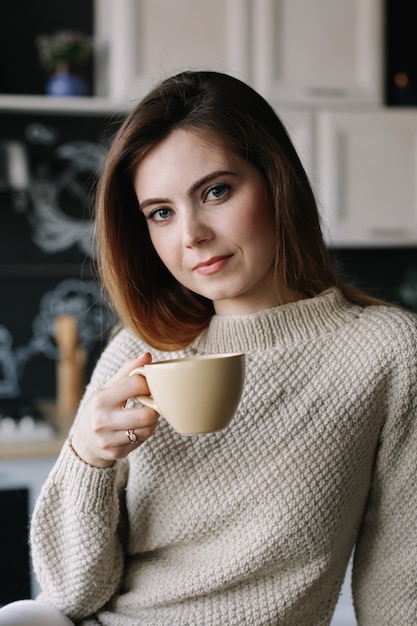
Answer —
195 229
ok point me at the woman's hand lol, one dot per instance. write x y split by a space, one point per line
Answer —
100 433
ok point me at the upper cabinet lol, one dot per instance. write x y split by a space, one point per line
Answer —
150 39
292 51
322 51
320 64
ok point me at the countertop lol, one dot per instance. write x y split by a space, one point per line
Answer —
42 447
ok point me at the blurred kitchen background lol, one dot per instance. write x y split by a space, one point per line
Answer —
341 73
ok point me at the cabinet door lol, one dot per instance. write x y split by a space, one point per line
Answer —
151 39
366 167
318 50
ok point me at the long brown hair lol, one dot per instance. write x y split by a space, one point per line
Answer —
144 293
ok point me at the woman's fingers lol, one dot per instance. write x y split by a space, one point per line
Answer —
127 367
141 428
120 387
107 429
142 421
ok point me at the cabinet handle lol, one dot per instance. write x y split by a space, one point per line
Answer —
380 231
327 92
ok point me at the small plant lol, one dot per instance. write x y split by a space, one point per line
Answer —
64 49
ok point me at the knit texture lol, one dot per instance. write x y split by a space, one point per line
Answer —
253 525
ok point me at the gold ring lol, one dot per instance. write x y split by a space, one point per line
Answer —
131 436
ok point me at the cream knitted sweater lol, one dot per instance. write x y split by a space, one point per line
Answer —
253 525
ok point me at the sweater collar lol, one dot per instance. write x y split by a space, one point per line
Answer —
282 325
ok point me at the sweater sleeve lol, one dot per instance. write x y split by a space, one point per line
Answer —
385 563
79 518
76 541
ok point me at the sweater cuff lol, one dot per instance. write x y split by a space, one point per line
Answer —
88 487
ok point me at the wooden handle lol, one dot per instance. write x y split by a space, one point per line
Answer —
70 368
66 335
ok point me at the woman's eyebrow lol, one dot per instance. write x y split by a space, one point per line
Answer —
198 183
206 179
150 201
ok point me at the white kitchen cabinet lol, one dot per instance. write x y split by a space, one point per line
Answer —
148 40
367 176
294 51
321 51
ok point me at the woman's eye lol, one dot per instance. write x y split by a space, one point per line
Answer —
216 192
160 215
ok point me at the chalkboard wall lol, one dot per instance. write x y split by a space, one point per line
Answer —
48 170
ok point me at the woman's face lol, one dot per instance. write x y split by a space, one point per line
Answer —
209 221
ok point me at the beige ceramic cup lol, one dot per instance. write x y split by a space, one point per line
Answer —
196 395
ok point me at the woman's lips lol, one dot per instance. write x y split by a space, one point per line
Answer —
213 265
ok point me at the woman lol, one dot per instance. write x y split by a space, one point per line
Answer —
209 241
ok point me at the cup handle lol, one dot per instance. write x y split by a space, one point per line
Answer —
145 400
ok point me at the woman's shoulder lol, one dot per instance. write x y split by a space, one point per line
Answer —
393 317
393 327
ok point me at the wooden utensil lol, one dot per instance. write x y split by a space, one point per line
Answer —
70 368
